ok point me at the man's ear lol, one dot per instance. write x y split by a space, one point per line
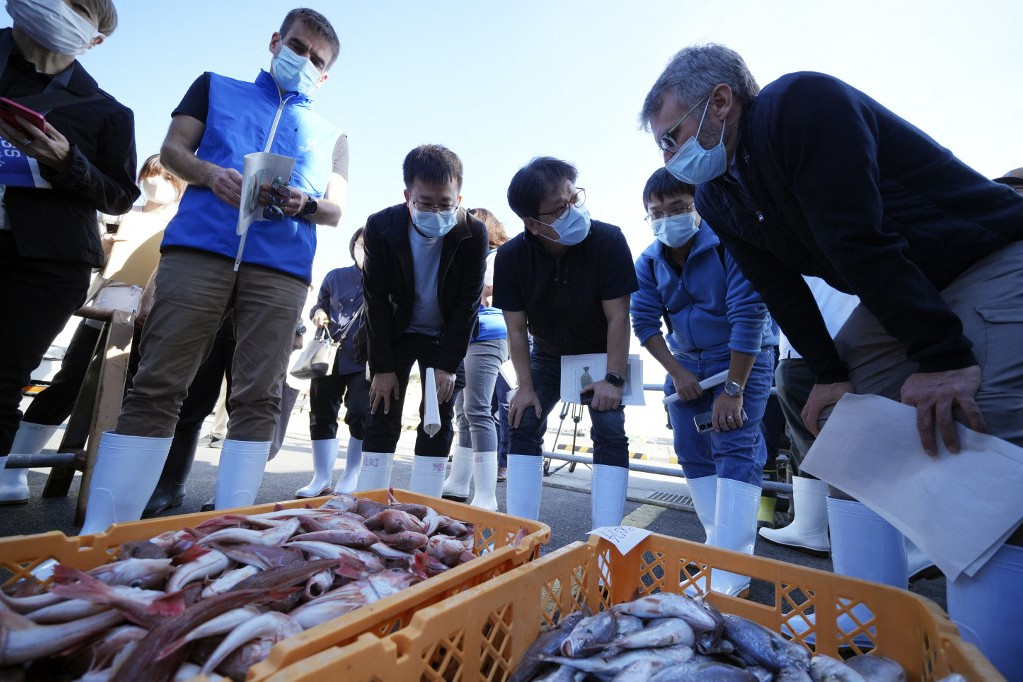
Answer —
408 196
722 100
275 41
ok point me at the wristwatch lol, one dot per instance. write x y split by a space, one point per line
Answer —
310 207
733 388
615 380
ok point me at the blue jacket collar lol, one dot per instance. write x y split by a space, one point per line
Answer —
705 240
266 82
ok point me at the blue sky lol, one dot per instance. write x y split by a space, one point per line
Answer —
500 83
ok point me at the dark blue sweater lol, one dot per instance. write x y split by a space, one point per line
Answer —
835 185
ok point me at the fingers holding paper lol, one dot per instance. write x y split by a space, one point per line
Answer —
936 395
445 385
821 397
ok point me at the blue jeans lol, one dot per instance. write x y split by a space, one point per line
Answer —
610 445
473 416
499 407
738 454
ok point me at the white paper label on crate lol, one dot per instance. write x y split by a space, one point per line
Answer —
624 538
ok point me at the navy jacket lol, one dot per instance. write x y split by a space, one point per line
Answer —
389 288
341 298
834 185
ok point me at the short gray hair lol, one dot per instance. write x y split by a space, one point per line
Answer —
694 72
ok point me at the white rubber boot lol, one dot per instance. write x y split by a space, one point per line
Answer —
29 440
864 546
918 564
484 480
376 470
124 477
735 528
525 483
241 471
456 485
704 491
349 480
324 456
809 528
428 475
608 488
988 608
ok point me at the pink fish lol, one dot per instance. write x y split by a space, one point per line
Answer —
448 551
270 626
29 603
146 573
144 607
359 538
394 521
207 565
405 540
21 640
275 535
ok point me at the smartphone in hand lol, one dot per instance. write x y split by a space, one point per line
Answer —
9 109
704 421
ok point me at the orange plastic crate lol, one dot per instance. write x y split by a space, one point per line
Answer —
482 633
494 531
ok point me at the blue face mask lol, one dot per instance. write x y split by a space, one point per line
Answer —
294 73
693 164
572 227
676 230
434 224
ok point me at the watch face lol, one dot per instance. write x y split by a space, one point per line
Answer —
733 388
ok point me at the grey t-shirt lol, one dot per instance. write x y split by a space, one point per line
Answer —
426 315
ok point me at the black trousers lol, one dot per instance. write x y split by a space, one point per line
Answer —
325 397
55 404
383 430
37 297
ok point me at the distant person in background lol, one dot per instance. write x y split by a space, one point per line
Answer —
339 312
422 279
475 453
49 238
205 269
132 260
716 322
567 280
794 380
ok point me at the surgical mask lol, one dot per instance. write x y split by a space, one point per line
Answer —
294 73
53 25
360 255
676 230
693 164
434 224
159 190
572 227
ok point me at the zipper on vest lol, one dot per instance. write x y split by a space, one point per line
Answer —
269 143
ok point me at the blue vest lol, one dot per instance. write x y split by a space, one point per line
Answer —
240 120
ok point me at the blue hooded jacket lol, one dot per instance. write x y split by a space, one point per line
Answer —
712 308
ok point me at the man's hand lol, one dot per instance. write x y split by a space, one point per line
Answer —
383 387
46 146
686 384
523 399
294 203
935 394
605 396
226 184
445 385
320 319
821 397
727 413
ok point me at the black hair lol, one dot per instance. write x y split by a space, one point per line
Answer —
355 239
317 23
535 181
663 184
432 164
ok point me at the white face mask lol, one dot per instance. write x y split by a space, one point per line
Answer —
159 190
53 25
360 255
294 73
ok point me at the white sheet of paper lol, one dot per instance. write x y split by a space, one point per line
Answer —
624 538
579 370
259 168
958 509
710 382
431 411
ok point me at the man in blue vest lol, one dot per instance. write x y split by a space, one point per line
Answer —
203 273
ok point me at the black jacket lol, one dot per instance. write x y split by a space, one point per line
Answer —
834 185
61 223
388 287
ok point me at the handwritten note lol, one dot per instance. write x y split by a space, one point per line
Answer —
624 538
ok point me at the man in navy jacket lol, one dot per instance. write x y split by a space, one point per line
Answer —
813 177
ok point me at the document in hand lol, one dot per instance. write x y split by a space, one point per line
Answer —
958 509
260 169
580 370
431 409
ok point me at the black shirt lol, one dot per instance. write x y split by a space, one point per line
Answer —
562 296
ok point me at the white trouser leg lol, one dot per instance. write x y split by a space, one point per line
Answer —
241 471
324 456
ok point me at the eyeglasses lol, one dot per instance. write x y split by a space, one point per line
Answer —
578 199
674 211
430 208
667 142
